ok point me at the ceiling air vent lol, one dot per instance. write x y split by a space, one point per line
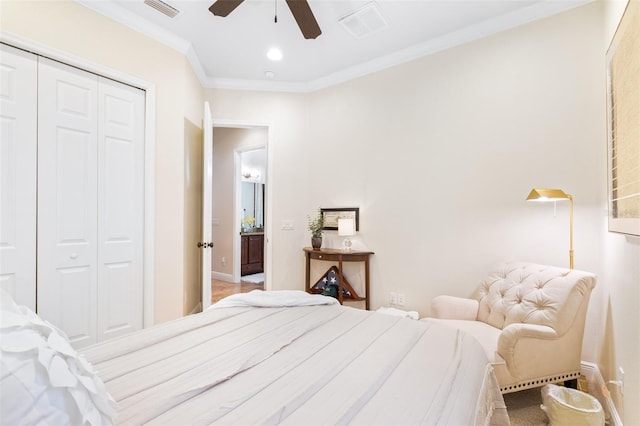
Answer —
162 7
364 21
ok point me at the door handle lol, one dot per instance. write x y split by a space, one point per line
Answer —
204 245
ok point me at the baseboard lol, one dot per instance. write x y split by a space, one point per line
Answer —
221 276
598 388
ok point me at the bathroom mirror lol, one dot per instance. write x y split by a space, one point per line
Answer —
253 202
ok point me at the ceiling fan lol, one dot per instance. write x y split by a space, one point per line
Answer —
299 9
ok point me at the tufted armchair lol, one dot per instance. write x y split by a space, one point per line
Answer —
529 319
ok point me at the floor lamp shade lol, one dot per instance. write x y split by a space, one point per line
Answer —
544 195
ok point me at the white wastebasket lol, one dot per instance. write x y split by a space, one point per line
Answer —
565 407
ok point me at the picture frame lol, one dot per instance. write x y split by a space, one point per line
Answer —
623 126
331 216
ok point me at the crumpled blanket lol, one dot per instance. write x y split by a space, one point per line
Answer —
273 299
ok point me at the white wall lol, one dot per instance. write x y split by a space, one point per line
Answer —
287 173
74 30
620 342
440 153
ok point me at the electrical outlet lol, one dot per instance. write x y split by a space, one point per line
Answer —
223 261
393 298
286 225
621 378
400 299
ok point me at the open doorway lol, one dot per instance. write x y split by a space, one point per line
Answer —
240 257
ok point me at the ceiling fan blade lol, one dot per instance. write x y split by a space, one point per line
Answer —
224 7
304 17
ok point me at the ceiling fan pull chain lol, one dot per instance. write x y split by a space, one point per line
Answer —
300 10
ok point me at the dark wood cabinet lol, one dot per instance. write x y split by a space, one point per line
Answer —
252 254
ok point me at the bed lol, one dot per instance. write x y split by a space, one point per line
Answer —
294 358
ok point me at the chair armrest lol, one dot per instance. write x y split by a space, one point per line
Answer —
526 347
451 307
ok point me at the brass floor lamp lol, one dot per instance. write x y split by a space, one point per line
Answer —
547 195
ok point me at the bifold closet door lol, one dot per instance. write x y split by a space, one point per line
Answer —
18 147
120 208
68 199
90 203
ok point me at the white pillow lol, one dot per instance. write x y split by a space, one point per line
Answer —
43 380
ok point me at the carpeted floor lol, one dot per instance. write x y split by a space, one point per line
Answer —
524 408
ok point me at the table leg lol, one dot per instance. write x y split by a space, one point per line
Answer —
308 272
340 278
366 283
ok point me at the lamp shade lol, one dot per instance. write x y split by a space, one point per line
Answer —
544 195
346 227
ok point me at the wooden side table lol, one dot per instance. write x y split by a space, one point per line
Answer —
340 256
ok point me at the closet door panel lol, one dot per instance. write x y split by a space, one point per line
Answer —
71 292
121 205
67 199
18 147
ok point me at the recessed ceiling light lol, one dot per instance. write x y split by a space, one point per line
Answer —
274 54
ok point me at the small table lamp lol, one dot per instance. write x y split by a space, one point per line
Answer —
346 228
546 195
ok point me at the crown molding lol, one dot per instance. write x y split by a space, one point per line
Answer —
258 85
468 34
121 15
473 32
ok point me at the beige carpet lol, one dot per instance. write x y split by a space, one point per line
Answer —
524 408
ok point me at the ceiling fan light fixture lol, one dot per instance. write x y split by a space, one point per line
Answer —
274 54
300 10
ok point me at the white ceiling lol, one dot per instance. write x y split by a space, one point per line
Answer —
231 52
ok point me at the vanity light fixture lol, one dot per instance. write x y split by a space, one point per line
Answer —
547 195
250 175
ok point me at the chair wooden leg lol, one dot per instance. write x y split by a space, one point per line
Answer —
573 383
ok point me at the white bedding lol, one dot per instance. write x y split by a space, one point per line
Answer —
319 364
273 299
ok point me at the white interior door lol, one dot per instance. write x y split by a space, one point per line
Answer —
120 208
18 147
207 205
67 199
